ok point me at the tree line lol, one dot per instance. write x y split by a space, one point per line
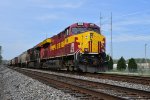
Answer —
138 60
122 65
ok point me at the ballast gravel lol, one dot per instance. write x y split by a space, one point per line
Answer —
106 81
16 86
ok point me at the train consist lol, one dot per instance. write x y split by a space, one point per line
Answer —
80 47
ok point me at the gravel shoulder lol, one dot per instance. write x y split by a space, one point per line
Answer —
16 86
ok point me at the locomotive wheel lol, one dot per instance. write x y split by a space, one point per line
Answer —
79 70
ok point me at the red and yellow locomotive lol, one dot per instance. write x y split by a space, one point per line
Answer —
80 46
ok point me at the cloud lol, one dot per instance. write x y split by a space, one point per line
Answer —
48 17
123 25
131 14
62 6
129 37
57 4
133 21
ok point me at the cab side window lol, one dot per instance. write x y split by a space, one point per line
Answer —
67 32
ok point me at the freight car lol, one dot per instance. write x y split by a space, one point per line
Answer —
80 46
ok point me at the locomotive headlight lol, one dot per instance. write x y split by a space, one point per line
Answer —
85 49
80 24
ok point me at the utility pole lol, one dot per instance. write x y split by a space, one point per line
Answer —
111 45
145 53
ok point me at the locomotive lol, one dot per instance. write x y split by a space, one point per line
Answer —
80 47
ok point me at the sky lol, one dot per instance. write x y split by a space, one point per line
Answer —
25 23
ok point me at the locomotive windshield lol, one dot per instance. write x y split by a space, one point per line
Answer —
77 30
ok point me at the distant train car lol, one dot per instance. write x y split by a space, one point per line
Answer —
33 57
12 62
23 59
15 61
80 46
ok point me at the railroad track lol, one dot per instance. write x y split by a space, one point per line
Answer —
86 89
114 77
123 78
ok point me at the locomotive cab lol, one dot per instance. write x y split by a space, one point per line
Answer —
92 57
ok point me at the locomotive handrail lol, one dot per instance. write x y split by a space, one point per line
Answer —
76 53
